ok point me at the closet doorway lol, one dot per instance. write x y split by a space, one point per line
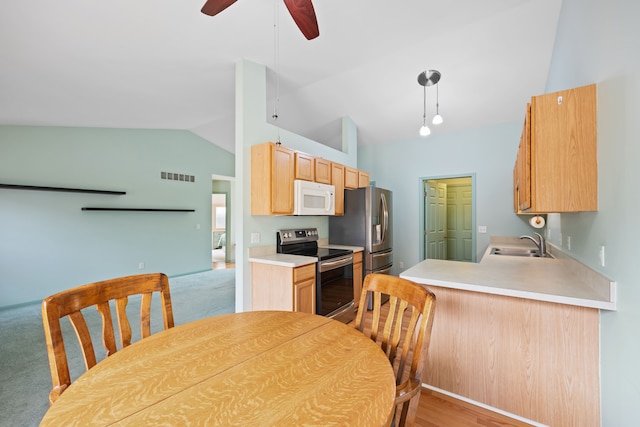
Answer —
449 218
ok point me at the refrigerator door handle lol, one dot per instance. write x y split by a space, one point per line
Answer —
385 216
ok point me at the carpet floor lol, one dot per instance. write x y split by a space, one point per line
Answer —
25 379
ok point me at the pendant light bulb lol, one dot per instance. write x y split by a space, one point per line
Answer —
437 119
424 130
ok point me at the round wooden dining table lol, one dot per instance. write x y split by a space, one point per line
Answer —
261 368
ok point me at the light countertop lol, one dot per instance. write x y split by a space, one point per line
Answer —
269 256
560 280
284 260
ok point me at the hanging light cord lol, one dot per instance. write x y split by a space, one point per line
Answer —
276 61
424 107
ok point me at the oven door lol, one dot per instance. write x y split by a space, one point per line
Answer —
334 288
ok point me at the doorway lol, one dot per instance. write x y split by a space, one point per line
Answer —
448 226
222 246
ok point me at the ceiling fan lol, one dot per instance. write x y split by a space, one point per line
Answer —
301 11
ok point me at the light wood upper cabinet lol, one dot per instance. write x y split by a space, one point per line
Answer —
556 168
522 169
305 166
322 170
274 167
363 179
350 177
337 180
272 172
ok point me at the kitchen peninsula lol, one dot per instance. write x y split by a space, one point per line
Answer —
520 334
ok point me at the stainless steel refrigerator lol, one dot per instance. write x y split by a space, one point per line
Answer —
367 223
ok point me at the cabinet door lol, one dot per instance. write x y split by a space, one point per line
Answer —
337 180
357 277
363 179
271 179
304 296
522 168
350 177
282 181
323 170
304 165
564 169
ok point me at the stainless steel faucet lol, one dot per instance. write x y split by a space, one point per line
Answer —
541 243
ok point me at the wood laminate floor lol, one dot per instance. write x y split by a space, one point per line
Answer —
439 410
221 265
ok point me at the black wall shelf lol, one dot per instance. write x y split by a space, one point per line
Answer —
137 209
61 189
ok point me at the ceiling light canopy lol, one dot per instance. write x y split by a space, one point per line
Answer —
429 78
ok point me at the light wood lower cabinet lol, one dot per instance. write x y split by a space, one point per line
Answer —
357 277
275 287
534 359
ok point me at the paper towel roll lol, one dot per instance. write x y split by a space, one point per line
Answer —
537 221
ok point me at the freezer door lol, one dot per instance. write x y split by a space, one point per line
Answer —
378 260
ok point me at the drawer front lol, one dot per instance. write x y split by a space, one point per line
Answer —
303 273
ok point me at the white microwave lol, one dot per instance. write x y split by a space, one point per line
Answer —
313 198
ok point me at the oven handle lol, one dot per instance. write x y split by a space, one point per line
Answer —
331 265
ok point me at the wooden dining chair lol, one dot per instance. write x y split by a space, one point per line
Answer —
72 301
402 328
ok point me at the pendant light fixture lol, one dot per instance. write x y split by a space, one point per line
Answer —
428 78
437 119
424 129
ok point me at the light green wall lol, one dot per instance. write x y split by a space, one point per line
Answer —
488 153
599 42
252 128
48 244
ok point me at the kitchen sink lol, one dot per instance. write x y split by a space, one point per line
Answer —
519 252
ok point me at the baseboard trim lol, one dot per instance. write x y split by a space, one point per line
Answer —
482 405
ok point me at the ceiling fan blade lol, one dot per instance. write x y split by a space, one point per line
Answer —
213 7
304 15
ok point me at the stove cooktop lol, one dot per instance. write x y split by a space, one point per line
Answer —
305 242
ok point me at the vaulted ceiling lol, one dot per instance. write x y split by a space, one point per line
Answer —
162 64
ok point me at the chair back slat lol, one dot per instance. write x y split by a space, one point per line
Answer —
145 315
124 327
70 303
84 338
108 334
402 328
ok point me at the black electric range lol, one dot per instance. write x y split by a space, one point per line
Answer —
305 242
334 272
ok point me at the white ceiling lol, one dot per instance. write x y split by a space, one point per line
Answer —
162 64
